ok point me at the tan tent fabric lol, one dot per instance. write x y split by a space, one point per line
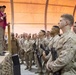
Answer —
29 14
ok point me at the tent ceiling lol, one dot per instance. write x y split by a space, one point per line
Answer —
31 12
57 2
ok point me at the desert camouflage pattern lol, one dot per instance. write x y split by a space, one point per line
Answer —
6 66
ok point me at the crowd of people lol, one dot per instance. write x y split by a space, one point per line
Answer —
33 48
50 51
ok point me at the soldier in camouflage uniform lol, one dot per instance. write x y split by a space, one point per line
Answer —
40 41
28 48
14 45
54 38
66 49
21 44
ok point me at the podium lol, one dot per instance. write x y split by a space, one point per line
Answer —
16 65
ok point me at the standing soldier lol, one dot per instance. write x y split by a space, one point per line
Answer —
55 31
34 38
28 48
21 43
40 41
66 49
15 50
14 45
24 37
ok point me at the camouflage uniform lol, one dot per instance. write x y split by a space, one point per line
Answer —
14 46
21 52
6 66
38 43
52 43
28 48
66 50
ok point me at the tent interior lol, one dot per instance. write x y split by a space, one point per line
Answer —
29 15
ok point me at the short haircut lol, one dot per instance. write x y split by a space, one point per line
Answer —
68 17
43 31
57 27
